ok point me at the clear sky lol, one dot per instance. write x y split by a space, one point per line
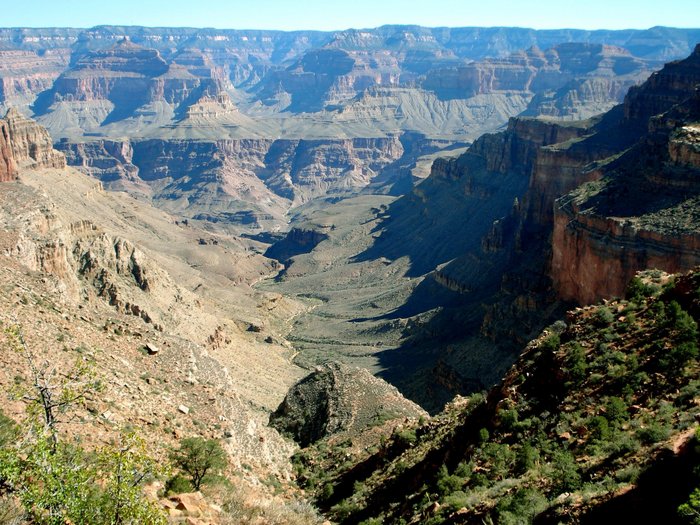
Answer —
343 14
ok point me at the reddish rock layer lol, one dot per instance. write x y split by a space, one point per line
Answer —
30 143
7 165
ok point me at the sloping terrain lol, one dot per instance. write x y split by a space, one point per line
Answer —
90 274
595 423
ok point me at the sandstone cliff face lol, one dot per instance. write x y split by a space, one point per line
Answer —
30 143
25 145
7 164
642 213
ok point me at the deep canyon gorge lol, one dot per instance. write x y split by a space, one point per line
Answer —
328 236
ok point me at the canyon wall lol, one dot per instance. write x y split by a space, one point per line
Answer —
270 175
641 212
25 145
7 164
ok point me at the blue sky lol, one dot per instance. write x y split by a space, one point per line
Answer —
342 14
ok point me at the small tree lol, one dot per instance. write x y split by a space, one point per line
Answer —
50 393
198 458
125 466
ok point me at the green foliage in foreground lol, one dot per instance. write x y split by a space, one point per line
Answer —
60 483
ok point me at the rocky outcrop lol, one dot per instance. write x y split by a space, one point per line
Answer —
641 214
335 399
297 241
30 143
7 164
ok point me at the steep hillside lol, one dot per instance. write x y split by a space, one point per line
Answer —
595 423
162 310
489 257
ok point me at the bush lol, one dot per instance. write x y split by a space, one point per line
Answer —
178 484
199 458
406 437
616 410
652 433
681 322
58 483
8 430
551 343
604 317
446 483
526 458
599 428
637 291
521 507
456 500
691 508
680 355
576 363
565 474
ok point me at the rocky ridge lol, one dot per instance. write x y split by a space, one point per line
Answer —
338 400
76 285
564 437
604 232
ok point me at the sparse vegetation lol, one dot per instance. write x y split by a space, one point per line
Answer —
58 482
578 418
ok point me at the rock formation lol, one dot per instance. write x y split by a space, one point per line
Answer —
336 399
30 144
7 163
267 176
25 145
570 80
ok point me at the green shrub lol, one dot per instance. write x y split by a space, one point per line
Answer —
8 430
521 507
456 500
576 363
483 435
526 458
178 484
406 437
448 483
599 428
604 317
198 458
551 343
616 410
680 355
565 474
653 433
637 291
690 510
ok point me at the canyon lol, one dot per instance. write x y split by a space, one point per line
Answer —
397 212
350 143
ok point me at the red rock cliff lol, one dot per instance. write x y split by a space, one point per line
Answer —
30 143
7 164
643 213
